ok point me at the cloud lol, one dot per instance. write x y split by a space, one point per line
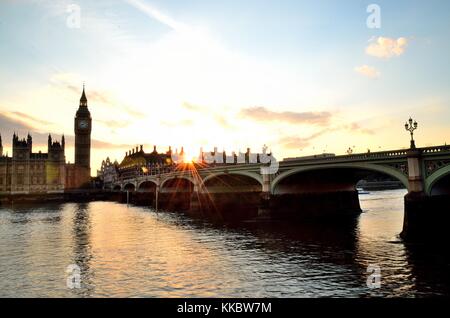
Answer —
68 80
157 15
192 107
263 114
293 142
9 126
355 127
31 118
183 122
222 121
368 71
387 47
219 118
114 124
99 144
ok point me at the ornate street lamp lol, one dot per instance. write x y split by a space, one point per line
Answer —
411 126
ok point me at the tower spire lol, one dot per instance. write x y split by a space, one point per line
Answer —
83 99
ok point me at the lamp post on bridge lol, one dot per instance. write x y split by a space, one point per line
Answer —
411 126
415 173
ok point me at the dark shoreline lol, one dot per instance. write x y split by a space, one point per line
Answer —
101 195
75 196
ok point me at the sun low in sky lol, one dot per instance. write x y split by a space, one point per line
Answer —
302 77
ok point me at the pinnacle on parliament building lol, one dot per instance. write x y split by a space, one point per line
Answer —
27 172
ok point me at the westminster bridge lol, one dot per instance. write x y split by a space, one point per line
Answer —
307 188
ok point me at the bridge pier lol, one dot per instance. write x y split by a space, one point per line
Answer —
264 210
316 206
195 204
426 217
174 201
227 206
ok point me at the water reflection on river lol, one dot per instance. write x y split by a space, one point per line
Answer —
135 252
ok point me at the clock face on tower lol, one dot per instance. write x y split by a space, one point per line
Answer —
83 124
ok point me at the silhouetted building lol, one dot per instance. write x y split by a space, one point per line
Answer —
108 173
137 162
78 175
27 172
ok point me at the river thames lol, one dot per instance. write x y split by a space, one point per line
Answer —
135 252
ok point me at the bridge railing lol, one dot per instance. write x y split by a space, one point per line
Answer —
360 156
374 155
377 155
435 149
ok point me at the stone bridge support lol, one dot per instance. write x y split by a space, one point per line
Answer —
316 194
227 196
426 217
174 193
195 206
264 210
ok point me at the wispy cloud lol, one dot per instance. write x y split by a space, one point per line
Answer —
192 107
158 15
68 81
32 118
114 124
368 71
263 114
294 142
355 127
179 123
222 121
99 144
10 124
386 48
202 114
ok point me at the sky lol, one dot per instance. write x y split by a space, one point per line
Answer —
302 77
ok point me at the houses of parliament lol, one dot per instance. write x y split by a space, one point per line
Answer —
28 172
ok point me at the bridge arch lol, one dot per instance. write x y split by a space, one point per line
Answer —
129 187
188 178
357 166
435 178
252 175
240 182
175 193
146 184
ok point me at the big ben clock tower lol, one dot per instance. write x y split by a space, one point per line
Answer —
83 128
